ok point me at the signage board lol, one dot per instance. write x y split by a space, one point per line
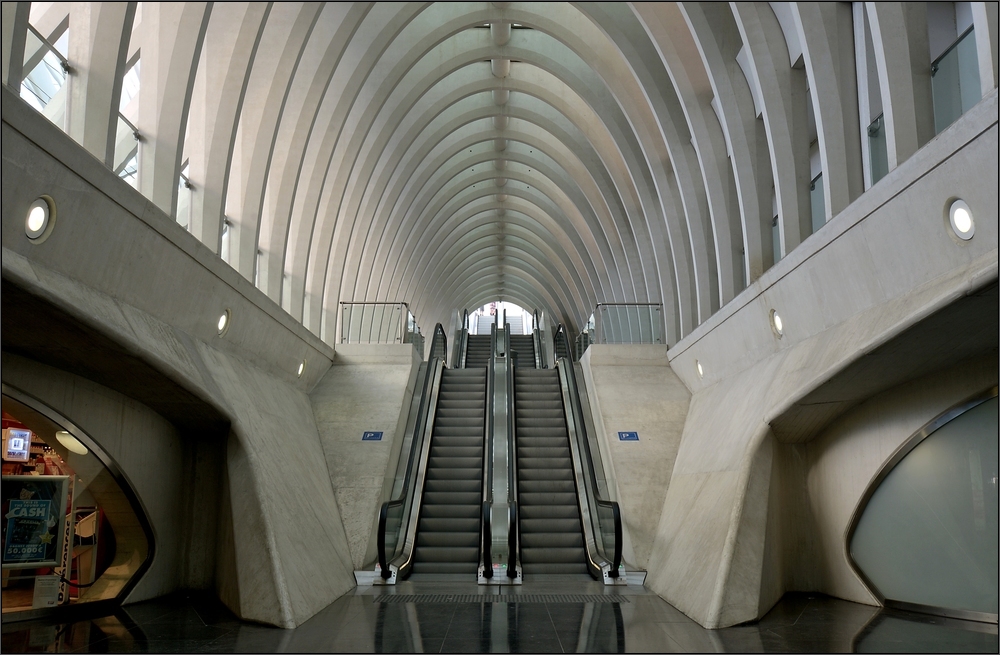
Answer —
628 436
34 509
17 445
371 436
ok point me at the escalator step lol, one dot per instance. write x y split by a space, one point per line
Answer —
549 512
550 525
453 497
448 540
530 487
455 511
556 540
448 525
552 555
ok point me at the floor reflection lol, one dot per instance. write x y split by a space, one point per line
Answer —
499 627
554 616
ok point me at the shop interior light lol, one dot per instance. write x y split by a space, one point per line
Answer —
776 324
71 443
960 217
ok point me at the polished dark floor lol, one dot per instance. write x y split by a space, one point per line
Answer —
555 615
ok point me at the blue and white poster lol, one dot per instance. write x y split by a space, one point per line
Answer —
34 509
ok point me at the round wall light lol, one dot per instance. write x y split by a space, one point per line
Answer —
40 218
302 369
960 217
71 443
698 367
777 325
223 323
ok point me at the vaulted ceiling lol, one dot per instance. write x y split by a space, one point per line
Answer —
448 154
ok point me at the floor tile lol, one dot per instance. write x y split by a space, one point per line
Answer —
502 619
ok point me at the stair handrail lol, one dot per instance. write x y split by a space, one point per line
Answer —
463 346
561 332
486 532
439 333
416 464
536 338
513 531
580 434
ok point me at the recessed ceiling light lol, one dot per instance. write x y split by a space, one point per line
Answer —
38 221
71 443
776 324
960 217
223 323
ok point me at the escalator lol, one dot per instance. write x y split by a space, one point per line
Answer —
523 350
449 526
551 532
497 475
478 351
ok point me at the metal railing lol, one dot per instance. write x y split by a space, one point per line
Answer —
378 322
621 323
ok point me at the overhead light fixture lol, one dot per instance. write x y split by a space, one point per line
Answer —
223 323
71 443
776 324
701 371
960 217
302 369
40 218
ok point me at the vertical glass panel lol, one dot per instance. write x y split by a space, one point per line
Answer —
878 148
44 83
776 239
817 203
629 323
224 247
955 81
126 161
92 532
376 323
928 535
130 85
184 199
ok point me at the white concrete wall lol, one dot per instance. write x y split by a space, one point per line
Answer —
825 478
879 267
632 389
156 459
369 387
158 294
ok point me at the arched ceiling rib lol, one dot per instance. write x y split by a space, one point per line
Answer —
555 154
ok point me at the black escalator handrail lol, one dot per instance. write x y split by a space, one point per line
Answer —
486 538
560 334
513 533
591 467
418 429
439 333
